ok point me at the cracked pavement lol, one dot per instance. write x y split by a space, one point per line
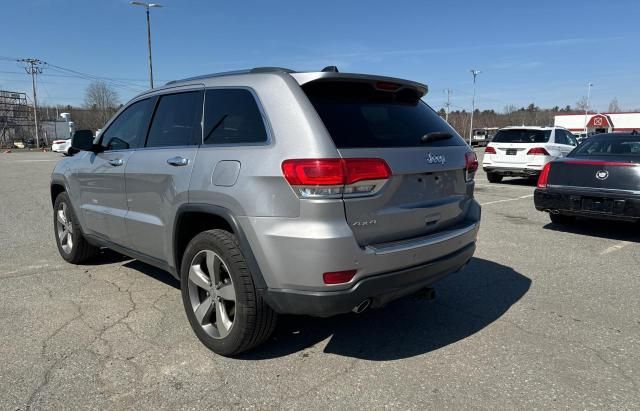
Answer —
543 317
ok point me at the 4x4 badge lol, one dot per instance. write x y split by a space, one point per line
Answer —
435 158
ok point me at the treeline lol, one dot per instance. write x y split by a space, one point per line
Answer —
531 115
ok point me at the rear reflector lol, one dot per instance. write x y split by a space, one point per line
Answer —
330 177
338 277
489 150
537 151
544 176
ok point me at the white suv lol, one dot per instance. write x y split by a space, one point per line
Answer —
523 151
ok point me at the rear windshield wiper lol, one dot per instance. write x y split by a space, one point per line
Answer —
435 136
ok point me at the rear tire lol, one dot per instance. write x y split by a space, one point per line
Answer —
562 219
219 296
72 245
494 178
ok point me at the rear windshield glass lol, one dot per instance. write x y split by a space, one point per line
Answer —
609 146
359 116
522 135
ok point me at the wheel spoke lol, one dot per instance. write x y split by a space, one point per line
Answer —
223 323
205 310
199 278
213 266
69 240
62 233
227 292
61 217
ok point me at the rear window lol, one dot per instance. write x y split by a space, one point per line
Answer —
609 146
522 135
359 116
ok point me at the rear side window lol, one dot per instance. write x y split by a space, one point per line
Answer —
128 129
561 137
613 146
359 116
176 121
232 116
522 135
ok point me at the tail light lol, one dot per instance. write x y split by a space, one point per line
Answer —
601 163
471 165
490 150
537 151
58 141
544 176
334 177
338 277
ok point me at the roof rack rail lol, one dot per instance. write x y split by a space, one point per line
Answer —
235 72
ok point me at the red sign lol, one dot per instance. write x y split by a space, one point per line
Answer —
599 121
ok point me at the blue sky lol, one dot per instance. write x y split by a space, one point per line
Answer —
535 51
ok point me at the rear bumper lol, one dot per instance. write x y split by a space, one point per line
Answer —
381 288
512 171
592 203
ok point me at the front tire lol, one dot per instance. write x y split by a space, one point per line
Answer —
494 178
72 245
219 296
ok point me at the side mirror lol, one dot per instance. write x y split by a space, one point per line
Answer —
82 140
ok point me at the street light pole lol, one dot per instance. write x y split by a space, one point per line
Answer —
473 102
586 110
147 6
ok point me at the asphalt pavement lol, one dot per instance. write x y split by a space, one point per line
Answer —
544 317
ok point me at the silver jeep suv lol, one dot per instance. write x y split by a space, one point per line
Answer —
270 191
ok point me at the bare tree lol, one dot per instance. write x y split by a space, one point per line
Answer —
582 104
103 101
614 107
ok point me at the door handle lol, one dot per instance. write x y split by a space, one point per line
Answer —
178 161
116 162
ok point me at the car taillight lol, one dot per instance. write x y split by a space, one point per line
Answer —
544 176
58 141
489 150
471 165
537 151
333 177
338 277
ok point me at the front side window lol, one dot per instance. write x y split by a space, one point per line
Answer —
176 121
127 131
231 116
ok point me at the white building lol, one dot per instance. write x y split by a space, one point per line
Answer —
599 123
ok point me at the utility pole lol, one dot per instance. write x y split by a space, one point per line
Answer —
32 66
448 104
473 102
147 6
586 109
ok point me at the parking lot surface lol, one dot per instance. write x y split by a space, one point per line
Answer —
543 317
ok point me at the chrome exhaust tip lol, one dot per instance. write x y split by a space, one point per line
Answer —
362 307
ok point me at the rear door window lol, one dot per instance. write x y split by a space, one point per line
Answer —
357 115
521 135
561 137
232 116
176 121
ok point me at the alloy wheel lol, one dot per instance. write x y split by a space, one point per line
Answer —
211 293
64 228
